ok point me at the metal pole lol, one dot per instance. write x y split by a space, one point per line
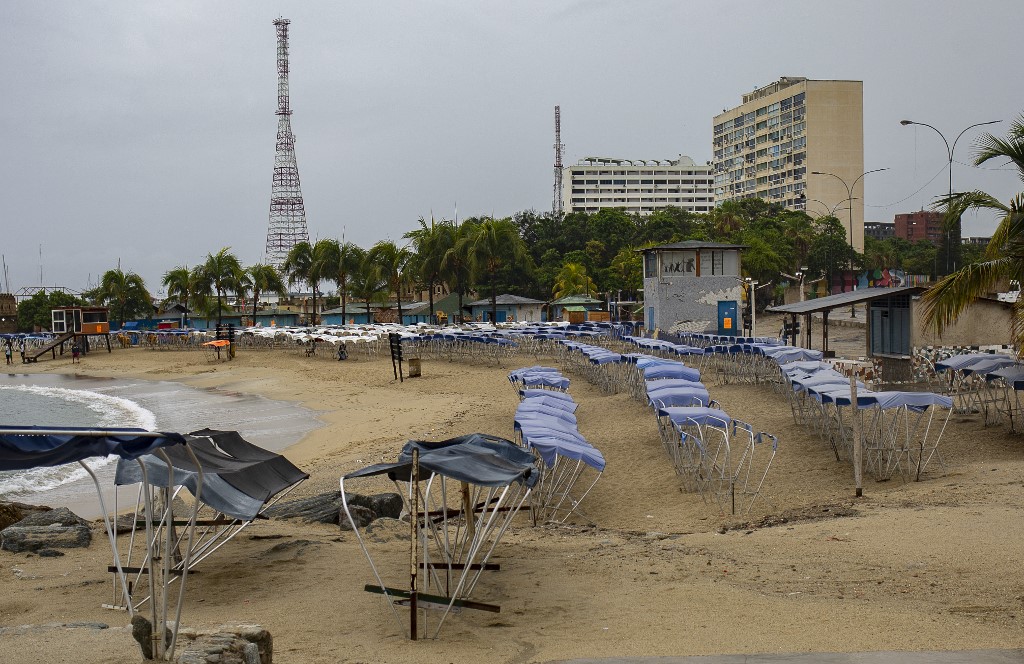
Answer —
414 544
858 450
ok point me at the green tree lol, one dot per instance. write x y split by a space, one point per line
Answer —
431 244
573 280
184 286
35 312
493 244
829 252
626 271
455 266
393 263
308 264
341 261
367 284
1004 256
264 279
219 274
126 292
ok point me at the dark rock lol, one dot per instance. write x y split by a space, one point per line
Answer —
10 514
61 516
142 631
230 644
50 553
319 509
361 515
382 504
19 539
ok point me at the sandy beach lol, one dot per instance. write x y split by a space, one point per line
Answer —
648 570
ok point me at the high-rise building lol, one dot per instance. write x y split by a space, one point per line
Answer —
772 145
920 225
637 185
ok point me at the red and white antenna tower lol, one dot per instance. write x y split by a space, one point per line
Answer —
287 211
556 201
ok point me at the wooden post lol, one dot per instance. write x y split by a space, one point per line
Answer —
858 447
414 518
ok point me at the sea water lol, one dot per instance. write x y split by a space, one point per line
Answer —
85 402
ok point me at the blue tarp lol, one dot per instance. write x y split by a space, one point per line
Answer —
21 452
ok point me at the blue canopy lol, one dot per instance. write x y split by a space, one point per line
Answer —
961 361
696 416
674 370
551 445
53 446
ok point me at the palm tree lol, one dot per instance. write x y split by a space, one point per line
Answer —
1004 256
308 264
263 279
393 262
341 261
127 291
219 274
367 284
490 246
455 264
182 285
432 244
573 279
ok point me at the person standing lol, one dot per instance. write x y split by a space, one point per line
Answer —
9 352
76 351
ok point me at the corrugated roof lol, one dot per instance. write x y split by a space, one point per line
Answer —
841 299
576 299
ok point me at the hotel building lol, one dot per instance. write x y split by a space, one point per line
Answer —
770 145
637 185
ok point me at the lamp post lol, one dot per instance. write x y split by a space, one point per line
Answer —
831 210
849 197
952 243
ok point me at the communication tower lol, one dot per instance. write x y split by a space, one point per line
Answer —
556 202
287 211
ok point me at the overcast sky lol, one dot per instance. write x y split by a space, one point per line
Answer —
144 131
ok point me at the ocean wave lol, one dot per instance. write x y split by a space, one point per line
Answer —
111 412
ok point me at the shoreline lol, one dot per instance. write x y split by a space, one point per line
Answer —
174 404
648 570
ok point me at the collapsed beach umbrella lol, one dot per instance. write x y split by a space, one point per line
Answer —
461 494
23 448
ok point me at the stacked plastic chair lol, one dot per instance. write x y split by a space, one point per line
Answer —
545 422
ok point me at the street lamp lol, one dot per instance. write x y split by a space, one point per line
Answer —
949 153
849 194
831 210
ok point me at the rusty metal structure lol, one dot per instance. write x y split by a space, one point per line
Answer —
287 211
556 202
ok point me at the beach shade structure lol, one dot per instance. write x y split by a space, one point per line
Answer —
1006 383
23 448
697 440
231 480
570 466
905 431
461 494
754 452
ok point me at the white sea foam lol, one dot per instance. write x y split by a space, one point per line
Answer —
111 412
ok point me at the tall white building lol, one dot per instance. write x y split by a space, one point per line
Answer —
637 185
797 142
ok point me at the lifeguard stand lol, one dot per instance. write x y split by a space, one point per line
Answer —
76 321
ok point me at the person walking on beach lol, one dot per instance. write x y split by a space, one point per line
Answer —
76 350
9 352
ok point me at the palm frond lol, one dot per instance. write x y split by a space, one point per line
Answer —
949 298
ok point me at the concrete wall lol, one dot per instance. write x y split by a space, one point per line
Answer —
688 299
984 323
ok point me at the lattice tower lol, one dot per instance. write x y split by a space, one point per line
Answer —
287 212
556 201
